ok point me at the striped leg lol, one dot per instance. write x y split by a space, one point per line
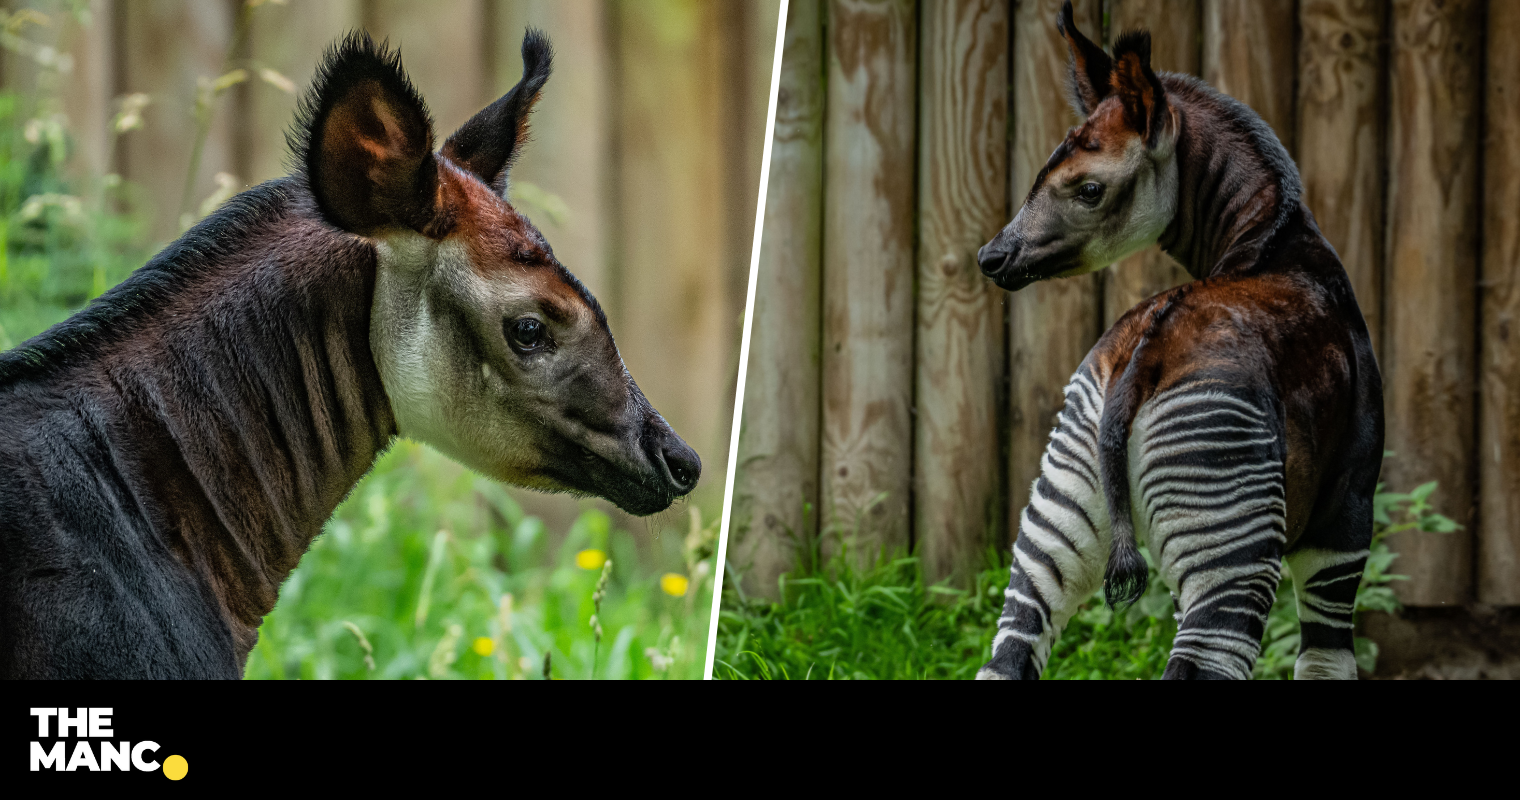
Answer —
1063 541
1325 583
1207 475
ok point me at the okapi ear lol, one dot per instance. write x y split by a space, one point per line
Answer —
492 140
365 140
1090 66
1144 99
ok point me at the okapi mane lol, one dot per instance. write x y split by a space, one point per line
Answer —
114 314
350 61
1195 94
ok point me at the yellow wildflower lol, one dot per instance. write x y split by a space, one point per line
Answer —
590 559
674 585
484 646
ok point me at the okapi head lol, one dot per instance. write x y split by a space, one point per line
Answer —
488 348
1110 188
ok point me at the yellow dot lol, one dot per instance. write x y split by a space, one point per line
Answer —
176 767
674 585
590 559
484 646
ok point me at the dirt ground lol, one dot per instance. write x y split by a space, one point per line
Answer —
1463 643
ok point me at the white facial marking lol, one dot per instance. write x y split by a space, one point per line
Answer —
422 353
1151 210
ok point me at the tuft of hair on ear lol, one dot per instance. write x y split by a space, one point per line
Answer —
1087 79
1137 86
363 139
490 143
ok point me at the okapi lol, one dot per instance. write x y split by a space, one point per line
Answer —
1229 422
170 452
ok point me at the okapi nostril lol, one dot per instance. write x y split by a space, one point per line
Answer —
683 465
991 261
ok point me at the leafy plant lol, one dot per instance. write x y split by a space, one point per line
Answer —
431 571
836 621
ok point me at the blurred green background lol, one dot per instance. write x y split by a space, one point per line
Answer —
122 123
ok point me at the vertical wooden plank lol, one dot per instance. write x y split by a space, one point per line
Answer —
165 48
88 92
752 29
1432 252
1499 439
289 39
868 272
1175 31
673 320
571 130
1052 323
1340 136
443 47
962 202
778 440
1248 48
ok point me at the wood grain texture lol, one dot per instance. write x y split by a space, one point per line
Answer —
443 44
1248 53
868 272
962 202
1175 46
777 479
1499 427
289 39
672 312
1052 324
1341 138
1432 252
164 48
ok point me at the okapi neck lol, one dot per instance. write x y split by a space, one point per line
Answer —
245 402
1238 189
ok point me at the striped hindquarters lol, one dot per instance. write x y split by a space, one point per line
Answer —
1207 488
1063 539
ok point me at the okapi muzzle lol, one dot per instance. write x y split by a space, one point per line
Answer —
489 349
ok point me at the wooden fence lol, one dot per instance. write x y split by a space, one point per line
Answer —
650 134
895 394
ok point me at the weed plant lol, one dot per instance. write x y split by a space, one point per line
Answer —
883 621
430 571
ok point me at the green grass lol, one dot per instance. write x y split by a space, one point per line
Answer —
426 558
884 621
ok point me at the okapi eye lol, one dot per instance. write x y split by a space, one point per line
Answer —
526 335
1090 193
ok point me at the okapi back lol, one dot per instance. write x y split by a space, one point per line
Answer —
171 450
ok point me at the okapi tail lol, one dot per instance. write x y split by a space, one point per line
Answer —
1127 574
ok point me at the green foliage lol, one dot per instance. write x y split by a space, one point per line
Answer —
426 559
58 247
877 622
884 622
